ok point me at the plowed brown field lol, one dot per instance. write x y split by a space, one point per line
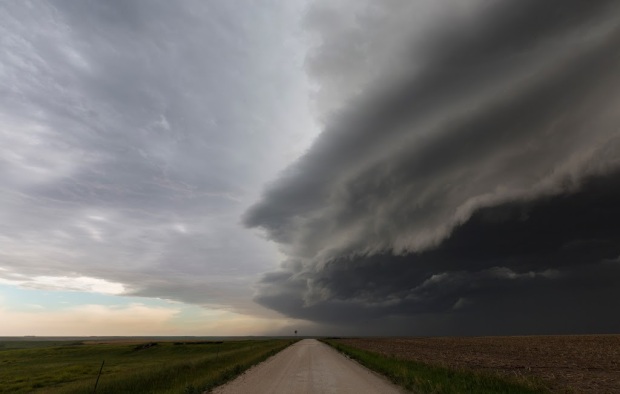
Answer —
583 364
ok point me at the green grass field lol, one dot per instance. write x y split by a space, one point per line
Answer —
425 378
168 367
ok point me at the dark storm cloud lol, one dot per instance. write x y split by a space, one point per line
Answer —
467 176
551 260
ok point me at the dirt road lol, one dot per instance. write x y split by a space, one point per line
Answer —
308 367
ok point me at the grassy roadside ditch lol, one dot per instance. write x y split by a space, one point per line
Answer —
166 367
425 378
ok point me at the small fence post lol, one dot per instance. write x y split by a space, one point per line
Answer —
97 382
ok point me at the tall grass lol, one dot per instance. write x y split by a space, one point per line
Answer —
424 378
165 368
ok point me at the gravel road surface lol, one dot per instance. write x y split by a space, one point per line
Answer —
306 367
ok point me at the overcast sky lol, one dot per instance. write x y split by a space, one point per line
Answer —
348 167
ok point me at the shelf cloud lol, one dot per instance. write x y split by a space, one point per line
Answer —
467 173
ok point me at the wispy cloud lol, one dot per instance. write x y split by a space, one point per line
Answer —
133 136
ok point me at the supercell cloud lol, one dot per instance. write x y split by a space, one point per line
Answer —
467 175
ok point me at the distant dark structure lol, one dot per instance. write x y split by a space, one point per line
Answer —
145 346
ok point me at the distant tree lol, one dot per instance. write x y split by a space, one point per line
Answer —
295 332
